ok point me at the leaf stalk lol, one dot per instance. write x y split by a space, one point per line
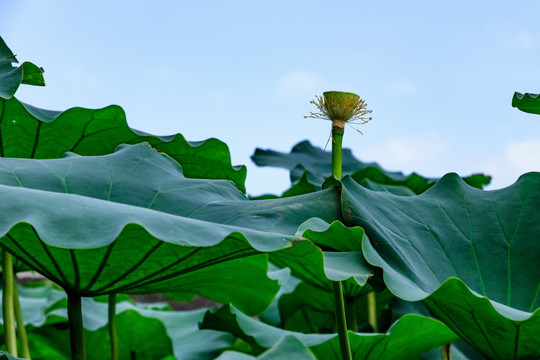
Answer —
372 310
337 286
341 320
21 329
76 330
446 352
8 306
113 334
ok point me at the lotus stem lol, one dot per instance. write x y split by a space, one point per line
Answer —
8 306
337 287
350 311
372 310
341 320
112 327
340 107
21 329
446 354
337 141
76 330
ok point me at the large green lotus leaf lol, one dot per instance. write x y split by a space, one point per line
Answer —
318 163
29 132
131 222
526 102
289 348
12 76
469 254
407 339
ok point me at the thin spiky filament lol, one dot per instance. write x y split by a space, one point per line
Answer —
340 112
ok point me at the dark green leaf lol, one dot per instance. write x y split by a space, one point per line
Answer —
460 350
469 254
30 132
526 102
5 51
11 76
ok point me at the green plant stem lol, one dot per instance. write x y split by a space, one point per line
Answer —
446 354
112 327
372 310
350 312
21 329
337 287
341 321
8 306
76 330
337 144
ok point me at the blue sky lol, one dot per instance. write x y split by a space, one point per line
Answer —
439 76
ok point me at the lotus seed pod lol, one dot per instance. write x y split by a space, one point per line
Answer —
339 99
340 107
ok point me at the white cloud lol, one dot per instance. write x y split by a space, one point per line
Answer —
517 158
526 40
402 87
430 155
298 84
523 156
407 154
521 40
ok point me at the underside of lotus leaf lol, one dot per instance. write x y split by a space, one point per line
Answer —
131 222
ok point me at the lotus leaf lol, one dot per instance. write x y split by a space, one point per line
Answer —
131 222
526 102
11 76
468 254
409 337
30 132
